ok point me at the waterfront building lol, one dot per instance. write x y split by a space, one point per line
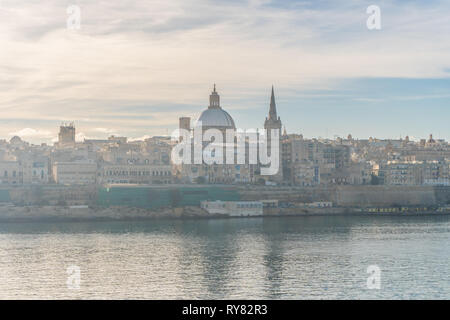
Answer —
303 162
75 172
233 208
135 174
11 172
411 173
308 162
36 170
158 150
304 173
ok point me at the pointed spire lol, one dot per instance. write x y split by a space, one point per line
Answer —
273 121
273 107
214 88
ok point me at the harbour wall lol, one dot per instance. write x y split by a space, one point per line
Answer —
389 196
356 196
172 196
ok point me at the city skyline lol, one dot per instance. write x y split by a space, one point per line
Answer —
133 69
103 133
228 155
51 137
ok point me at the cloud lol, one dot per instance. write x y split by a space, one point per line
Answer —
80 136
105 130
140 138
32 133
161 57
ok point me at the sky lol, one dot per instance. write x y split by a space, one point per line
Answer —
135 66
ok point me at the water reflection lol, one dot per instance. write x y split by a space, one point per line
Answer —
304 257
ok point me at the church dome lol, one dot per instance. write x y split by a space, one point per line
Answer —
215 116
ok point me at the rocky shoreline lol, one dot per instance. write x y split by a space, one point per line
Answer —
85 213
11 213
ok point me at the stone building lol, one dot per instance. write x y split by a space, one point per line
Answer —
66 135
75 172
411 173
11 172
135 174
225 171
215 118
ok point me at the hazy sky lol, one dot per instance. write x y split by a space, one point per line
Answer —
135 66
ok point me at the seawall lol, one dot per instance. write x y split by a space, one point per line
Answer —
169 196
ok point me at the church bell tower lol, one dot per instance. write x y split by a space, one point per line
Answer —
273 121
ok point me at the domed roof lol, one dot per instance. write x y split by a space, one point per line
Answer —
215 116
